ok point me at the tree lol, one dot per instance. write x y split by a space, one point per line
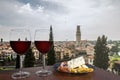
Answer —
18 61
66 56
115 49
81 53
101 53
51 54
1 40
29 59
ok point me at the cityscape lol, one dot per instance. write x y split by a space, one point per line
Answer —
64 50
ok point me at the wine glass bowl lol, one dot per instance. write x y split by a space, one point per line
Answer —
20 47
43 45
20 42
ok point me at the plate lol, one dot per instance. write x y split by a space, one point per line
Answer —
77 70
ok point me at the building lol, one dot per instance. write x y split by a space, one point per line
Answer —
78 36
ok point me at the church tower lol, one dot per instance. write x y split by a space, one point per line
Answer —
78 36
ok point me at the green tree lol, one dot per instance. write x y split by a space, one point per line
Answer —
1 40
29 60
66 57
17 61
101 53
51 54
115 49
82 53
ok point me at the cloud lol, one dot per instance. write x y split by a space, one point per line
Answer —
28 12
96 17
51 6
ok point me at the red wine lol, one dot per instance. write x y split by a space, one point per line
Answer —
20 47
43 46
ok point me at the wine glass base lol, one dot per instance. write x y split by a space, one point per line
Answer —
43 73
20 75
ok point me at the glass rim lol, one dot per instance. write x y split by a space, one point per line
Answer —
41 30
17 30
47 29
20 29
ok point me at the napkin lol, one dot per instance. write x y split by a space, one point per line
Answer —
76 62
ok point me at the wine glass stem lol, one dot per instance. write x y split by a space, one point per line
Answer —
43 57
21 64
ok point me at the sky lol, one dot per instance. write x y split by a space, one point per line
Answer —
96 17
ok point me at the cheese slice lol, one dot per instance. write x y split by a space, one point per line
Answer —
76 62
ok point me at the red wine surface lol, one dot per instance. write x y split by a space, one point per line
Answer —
20 47
43 46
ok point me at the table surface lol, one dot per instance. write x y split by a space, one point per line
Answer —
98 74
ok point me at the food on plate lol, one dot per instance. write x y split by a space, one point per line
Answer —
80 69
63 67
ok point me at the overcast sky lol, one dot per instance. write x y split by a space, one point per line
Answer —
96 17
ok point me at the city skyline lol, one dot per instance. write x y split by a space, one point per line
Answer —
96 17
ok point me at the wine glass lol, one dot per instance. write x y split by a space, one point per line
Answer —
43 45
20 41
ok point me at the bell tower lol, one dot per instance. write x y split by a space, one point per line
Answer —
78 36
